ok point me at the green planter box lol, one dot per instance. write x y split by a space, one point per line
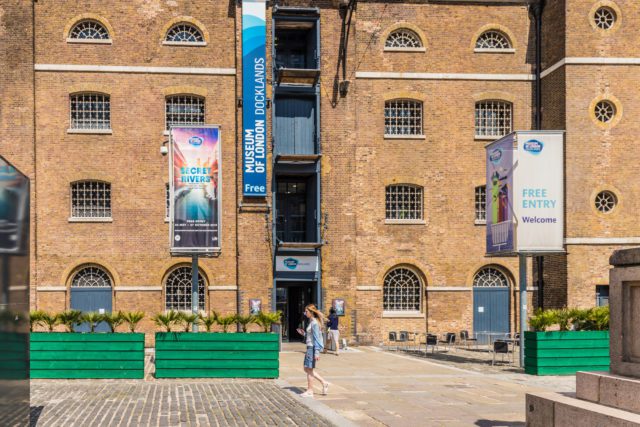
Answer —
565 353
14 356
87 355
217 355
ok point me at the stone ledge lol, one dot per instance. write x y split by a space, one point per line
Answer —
610 390
627 257
553 409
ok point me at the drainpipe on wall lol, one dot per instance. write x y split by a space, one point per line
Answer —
537 13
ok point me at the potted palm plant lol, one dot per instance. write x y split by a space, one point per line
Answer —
86 355
579 341
214 354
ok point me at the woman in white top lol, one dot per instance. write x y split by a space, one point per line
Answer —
315 344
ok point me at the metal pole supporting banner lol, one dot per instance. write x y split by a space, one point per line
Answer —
194 289
523 303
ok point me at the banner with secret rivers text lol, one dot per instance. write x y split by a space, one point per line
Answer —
195 183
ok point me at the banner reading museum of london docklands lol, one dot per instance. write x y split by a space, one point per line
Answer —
195 183
254 98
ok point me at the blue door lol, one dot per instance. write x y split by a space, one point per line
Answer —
88 299
295 125
490 311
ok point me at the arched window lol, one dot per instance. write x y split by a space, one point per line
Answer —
492 40
90 111
403 38
184 33
404 202
490 277
493 118
184 110
91 199
89 30
403 117
91 277
178 290
402 290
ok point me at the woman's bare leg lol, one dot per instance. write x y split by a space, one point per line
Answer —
310 376
317 376
337 345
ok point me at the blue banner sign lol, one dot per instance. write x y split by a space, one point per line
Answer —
499 196
254 99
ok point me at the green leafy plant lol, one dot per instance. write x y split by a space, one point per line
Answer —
188 319
132 318
50 321
593 319
35 319
168 319
226 321
542 319
245 321
208 321
92 318
113 320
70 319
265 320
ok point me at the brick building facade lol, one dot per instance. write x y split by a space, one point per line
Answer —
404 96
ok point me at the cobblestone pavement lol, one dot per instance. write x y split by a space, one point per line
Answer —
166 403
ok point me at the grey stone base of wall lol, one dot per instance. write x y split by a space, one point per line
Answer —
602 399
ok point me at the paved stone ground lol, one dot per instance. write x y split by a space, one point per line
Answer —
371 387
166 403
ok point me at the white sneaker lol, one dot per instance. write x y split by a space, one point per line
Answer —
307 393
325 389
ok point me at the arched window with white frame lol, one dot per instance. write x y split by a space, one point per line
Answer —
402 290
403 39
184 33
493 41
89 31
490 277
178 289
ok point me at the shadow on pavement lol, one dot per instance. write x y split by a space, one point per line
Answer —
496 423
34 415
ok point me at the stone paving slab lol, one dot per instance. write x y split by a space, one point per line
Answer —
167 403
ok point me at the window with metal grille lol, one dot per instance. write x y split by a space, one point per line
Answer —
404 202
604 111
89 30
178 290
481 204
91 277
167 197
604 18
402 117
490 277
493 40
403 38
184 110
90 199
402 290
90 111
606 201
493 118
184 33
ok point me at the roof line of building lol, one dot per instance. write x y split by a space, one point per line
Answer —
135 69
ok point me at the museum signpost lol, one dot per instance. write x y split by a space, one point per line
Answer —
525 201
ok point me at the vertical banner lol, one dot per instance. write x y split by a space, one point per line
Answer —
499 196
539 193
195 190
254 99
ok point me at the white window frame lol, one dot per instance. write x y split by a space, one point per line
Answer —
166 42
73 218
496 136
421 135
91 131
390 312
420 48
419 190
204 112
509 49
204 288
108 40
479 205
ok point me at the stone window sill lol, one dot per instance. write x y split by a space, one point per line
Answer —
480 222
72 219
405 222
192 44
405 137
405 49
90 41
487 137
476 50
91 131
402 315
